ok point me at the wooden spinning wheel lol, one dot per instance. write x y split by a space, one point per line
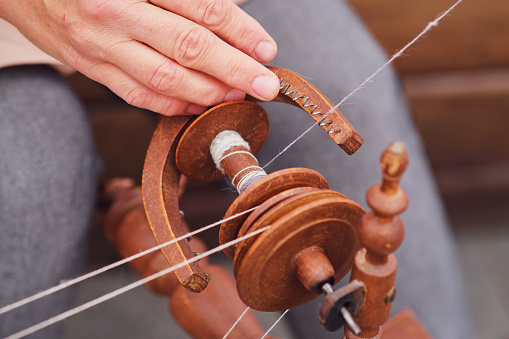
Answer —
312 233
183 146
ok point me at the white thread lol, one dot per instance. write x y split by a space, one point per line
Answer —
236 322
430 25
277 322
97 301
237 152
245 169
222 143
84 277
249 179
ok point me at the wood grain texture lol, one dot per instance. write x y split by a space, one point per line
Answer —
297 91
262 190
474 35
160 197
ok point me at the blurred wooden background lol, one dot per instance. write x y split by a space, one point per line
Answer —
457 82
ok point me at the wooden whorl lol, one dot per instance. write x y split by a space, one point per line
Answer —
272 210
193 151
266 280
261 191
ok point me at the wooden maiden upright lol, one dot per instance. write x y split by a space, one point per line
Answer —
381 233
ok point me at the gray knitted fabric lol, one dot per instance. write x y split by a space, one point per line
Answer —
324 41
47 187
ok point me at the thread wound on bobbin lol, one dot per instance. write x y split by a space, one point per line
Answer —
222 143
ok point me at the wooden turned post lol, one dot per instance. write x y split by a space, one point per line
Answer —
381 233
313 269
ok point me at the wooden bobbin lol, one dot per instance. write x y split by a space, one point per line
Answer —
193 151
381 233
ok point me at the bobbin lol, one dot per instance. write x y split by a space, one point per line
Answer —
193 156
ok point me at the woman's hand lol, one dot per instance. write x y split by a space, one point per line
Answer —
168 56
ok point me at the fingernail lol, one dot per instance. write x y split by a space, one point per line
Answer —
234 94
265 51
195 109
266 87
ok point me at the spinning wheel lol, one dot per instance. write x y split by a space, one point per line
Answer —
183 146
223 141
311 233
269 276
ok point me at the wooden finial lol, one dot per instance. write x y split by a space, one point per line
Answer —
394 162
387 199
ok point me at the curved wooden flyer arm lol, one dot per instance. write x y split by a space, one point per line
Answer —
297 91
160 197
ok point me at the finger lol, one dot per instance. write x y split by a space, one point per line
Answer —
228 21
195 47
136 94
167 77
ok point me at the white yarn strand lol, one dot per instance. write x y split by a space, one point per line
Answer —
249 179
84 277
222 143
259 170
127 288
237 152
398 54
274 325
236 322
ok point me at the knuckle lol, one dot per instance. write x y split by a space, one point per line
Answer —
210 97
237 73
170 108
97 8
138 96
102 9
70 56
166 78
212 13
191 44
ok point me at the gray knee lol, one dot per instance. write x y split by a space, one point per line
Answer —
47 186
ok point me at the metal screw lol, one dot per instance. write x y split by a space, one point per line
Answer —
389 298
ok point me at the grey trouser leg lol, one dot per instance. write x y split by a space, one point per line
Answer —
324 40
47 189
